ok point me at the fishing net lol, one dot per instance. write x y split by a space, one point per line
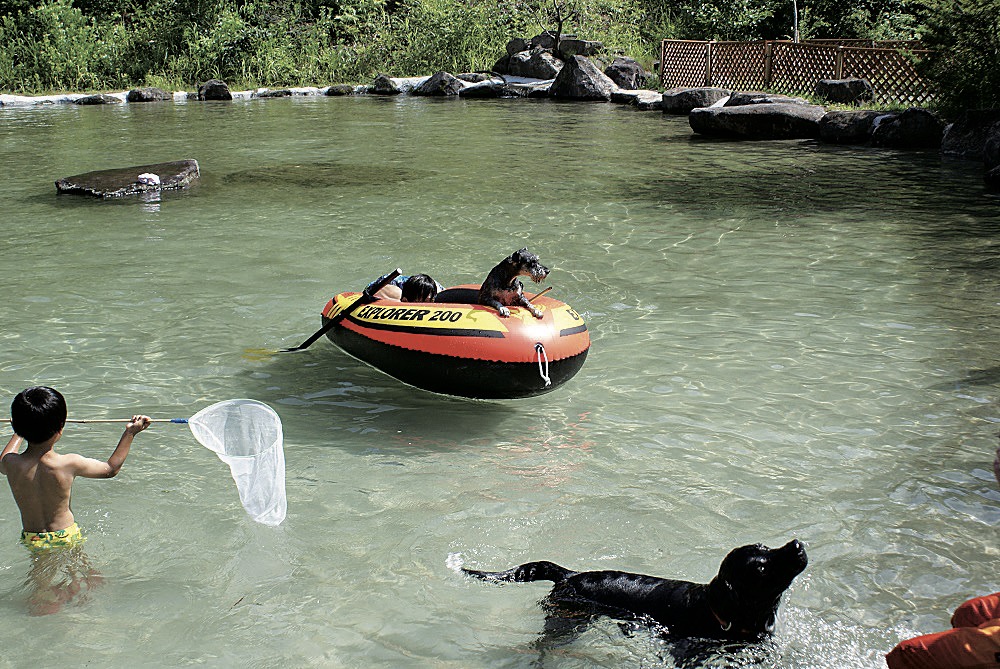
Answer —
246 435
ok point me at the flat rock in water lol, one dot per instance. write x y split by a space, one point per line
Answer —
780 120
125 180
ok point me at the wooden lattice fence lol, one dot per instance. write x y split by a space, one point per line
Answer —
795 67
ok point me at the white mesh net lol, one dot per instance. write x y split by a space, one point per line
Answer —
246 435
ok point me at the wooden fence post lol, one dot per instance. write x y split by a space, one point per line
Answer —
708 62
838 70
768 56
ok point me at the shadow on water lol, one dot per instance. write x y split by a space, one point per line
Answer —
323 175
974 377
806 177
320 393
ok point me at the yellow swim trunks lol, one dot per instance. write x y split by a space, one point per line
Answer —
42 541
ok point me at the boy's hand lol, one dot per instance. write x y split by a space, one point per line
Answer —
137 424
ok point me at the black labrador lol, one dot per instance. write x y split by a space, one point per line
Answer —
740 603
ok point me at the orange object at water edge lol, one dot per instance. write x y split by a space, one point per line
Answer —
972 643
457 347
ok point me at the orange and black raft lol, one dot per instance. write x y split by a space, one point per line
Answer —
456 347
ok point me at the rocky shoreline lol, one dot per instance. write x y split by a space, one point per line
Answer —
570 69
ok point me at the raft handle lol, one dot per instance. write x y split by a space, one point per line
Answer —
540 352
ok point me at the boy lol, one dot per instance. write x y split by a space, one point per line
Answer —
41 479
415 288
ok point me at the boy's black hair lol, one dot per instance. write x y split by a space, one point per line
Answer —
38 413
419 288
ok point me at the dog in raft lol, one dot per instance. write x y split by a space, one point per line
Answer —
503 289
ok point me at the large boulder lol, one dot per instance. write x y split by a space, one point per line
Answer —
845 91
214 89
384 85
546 40
991 148
579 79
131 180
502 66
914 128
493 88
683 100
518 44
966 137
760 98
440 83
780 120
641 99
627 74
148 94
337 90
848 127
570 46
991 158
539 63
98 99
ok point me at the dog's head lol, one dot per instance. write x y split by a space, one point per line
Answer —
525 263
744 596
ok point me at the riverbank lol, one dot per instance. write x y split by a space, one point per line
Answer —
712 112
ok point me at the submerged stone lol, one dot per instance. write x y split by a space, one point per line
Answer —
126 180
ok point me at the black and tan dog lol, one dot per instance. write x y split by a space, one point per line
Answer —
502 289
740 603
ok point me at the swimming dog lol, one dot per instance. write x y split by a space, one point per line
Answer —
502 287
739 603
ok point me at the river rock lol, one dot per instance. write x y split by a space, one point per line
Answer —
384 85
683 100
780 120
641 99
845 91
545 40
214 89
539 63
627 74
966 137
474 77
502 66
848 127
98 99
991 148
761 98
570 46
338 90
492 88
440 83
580 79
126 181
518 44
914 128
991 158
148 94
277 93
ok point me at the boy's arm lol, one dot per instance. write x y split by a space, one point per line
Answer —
95 469
11 447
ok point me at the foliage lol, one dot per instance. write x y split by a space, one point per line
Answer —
114 44
965 64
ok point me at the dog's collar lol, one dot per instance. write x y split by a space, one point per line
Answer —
722 623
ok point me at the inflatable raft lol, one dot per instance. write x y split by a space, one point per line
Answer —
456 347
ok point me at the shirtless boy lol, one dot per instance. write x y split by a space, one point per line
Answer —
41 479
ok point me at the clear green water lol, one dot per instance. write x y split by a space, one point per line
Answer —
789 340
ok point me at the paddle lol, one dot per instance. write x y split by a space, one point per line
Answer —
537 295
367 297
247 436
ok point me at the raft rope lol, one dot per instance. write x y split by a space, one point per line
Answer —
543 372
